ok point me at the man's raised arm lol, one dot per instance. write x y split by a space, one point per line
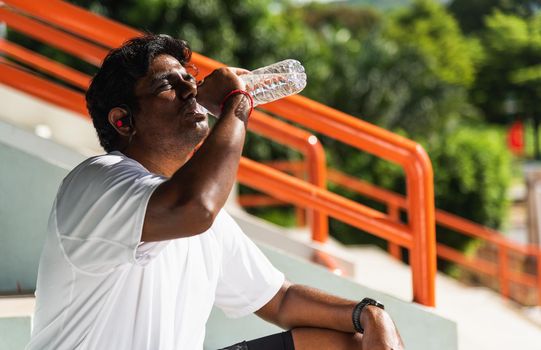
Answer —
188 202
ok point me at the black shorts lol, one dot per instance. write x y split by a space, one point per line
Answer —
278 341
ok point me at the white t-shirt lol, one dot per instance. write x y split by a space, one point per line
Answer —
99 287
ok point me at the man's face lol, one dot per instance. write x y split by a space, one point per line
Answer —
166 116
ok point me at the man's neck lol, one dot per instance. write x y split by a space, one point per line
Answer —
161 163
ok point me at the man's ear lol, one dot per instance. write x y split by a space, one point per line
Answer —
120 119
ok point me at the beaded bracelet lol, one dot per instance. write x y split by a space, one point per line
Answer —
237 92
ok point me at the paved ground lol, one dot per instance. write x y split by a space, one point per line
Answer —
484 319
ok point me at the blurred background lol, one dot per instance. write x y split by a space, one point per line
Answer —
460 77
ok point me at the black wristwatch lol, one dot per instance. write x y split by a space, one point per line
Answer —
356 317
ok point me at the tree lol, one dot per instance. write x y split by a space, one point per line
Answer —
410 72
510 74
471 14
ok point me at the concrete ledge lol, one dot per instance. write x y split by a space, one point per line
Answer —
15 322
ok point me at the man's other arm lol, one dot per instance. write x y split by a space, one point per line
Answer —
302 307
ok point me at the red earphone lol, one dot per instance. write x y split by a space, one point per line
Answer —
126 120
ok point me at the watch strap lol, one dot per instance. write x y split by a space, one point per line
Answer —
356 315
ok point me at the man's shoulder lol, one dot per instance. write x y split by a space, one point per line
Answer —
109 160
109 164
99 172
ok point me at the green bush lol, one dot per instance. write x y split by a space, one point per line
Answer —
472 173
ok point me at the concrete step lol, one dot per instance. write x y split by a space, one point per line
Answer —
485 320
15 321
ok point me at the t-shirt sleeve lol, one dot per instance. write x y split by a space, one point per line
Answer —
247 279
100 211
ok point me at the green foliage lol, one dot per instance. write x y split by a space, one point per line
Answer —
396 75
410 72
427 27
471 14
358 21
472 171
382 4
510 68
394 87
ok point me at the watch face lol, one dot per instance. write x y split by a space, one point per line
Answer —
370 301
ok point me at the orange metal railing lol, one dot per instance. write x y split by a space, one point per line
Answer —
396 203
412 158
88 37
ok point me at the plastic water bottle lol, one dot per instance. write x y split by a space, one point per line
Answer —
273 82
276 81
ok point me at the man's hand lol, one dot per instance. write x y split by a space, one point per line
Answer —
380 332
212 90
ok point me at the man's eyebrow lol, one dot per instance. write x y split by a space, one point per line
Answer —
158 77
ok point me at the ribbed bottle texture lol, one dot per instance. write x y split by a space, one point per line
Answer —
276 81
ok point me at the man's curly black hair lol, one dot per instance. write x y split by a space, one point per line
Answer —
114 83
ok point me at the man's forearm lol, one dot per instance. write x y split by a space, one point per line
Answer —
303 306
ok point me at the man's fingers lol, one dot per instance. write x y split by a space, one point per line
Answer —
239 71
213 88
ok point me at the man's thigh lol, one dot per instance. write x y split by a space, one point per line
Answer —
278 341
304 339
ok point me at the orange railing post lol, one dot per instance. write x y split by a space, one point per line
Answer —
314 158
394 214
389 146
420 190
538 256
301 213
502 270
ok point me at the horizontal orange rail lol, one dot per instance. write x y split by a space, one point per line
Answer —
314 159
76 20
444 219
93 27
63 41
471 263
44 64
18 78
296 191
418 235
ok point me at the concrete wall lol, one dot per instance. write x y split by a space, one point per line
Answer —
28 185
14 333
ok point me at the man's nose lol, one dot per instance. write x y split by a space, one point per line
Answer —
187 89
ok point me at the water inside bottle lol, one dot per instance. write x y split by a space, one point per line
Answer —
266 88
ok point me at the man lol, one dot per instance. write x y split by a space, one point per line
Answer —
139 248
